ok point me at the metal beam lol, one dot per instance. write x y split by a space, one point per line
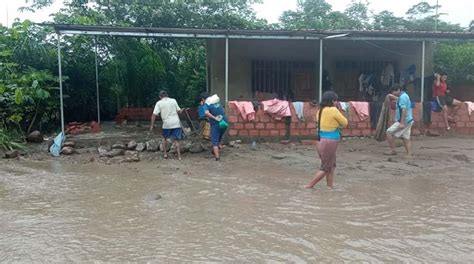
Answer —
60 84
226 70
256 36
320 69
97 80
179 35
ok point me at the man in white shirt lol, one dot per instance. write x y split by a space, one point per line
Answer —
168 109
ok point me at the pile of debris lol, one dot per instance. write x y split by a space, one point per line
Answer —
131 149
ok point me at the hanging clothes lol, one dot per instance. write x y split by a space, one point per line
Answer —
388 75
246 109
470 107
299 110
361 109
382 123
277 108
375 110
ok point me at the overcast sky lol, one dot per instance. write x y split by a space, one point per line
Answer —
459 11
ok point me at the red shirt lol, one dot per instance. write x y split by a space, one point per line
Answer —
439 90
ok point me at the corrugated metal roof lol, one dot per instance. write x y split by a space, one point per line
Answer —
256 34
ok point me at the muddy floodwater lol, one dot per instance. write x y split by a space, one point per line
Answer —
250 207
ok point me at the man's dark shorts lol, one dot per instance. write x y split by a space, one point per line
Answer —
175 133
444 100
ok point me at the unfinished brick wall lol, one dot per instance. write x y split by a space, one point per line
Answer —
265 126
133 114
144 114
464 123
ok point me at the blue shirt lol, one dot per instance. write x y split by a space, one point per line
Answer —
201 112
215 110
404 102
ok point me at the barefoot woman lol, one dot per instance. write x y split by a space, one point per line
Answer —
330 121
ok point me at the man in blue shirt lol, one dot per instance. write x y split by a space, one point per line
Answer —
403 120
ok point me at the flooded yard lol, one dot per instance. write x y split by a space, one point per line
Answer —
249 207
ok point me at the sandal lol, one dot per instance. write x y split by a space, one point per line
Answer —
390 153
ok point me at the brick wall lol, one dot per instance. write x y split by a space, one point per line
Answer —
265 126
144 114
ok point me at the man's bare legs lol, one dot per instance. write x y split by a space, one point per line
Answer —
178 149
456 105
165 155
407 144
391 144
446 117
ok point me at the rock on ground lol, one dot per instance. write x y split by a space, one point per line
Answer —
140 147
12 154
69 144
118 145
132 145
35 137
152 145
102 151
67 150
115 152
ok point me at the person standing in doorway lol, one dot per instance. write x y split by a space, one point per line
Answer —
403 120
441 95
330 122
217 119
168 109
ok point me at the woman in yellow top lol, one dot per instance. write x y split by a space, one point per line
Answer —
331 120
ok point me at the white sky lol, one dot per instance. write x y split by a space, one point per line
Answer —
459 11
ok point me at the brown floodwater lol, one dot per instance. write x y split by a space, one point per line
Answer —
53 211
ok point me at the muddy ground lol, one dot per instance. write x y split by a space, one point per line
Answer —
249 207
360 156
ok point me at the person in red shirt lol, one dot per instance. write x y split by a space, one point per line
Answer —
441 95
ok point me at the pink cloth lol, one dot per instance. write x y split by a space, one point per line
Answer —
245 109
470 107
277 108
362 109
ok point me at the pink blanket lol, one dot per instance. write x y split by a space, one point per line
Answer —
245 109
470 107
277 108
362 109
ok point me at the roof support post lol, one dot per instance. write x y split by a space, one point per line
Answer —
423 71
97 80
320 69
226 69
60 84
422 99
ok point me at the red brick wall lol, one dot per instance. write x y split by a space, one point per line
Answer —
265 126
144 114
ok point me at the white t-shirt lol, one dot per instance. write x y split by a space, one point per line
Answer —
168 108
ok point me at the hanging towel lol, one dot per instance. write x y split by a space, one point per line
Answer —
362 109
382 124
55 149
277 108
299 110
246 109
470 107
375 110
